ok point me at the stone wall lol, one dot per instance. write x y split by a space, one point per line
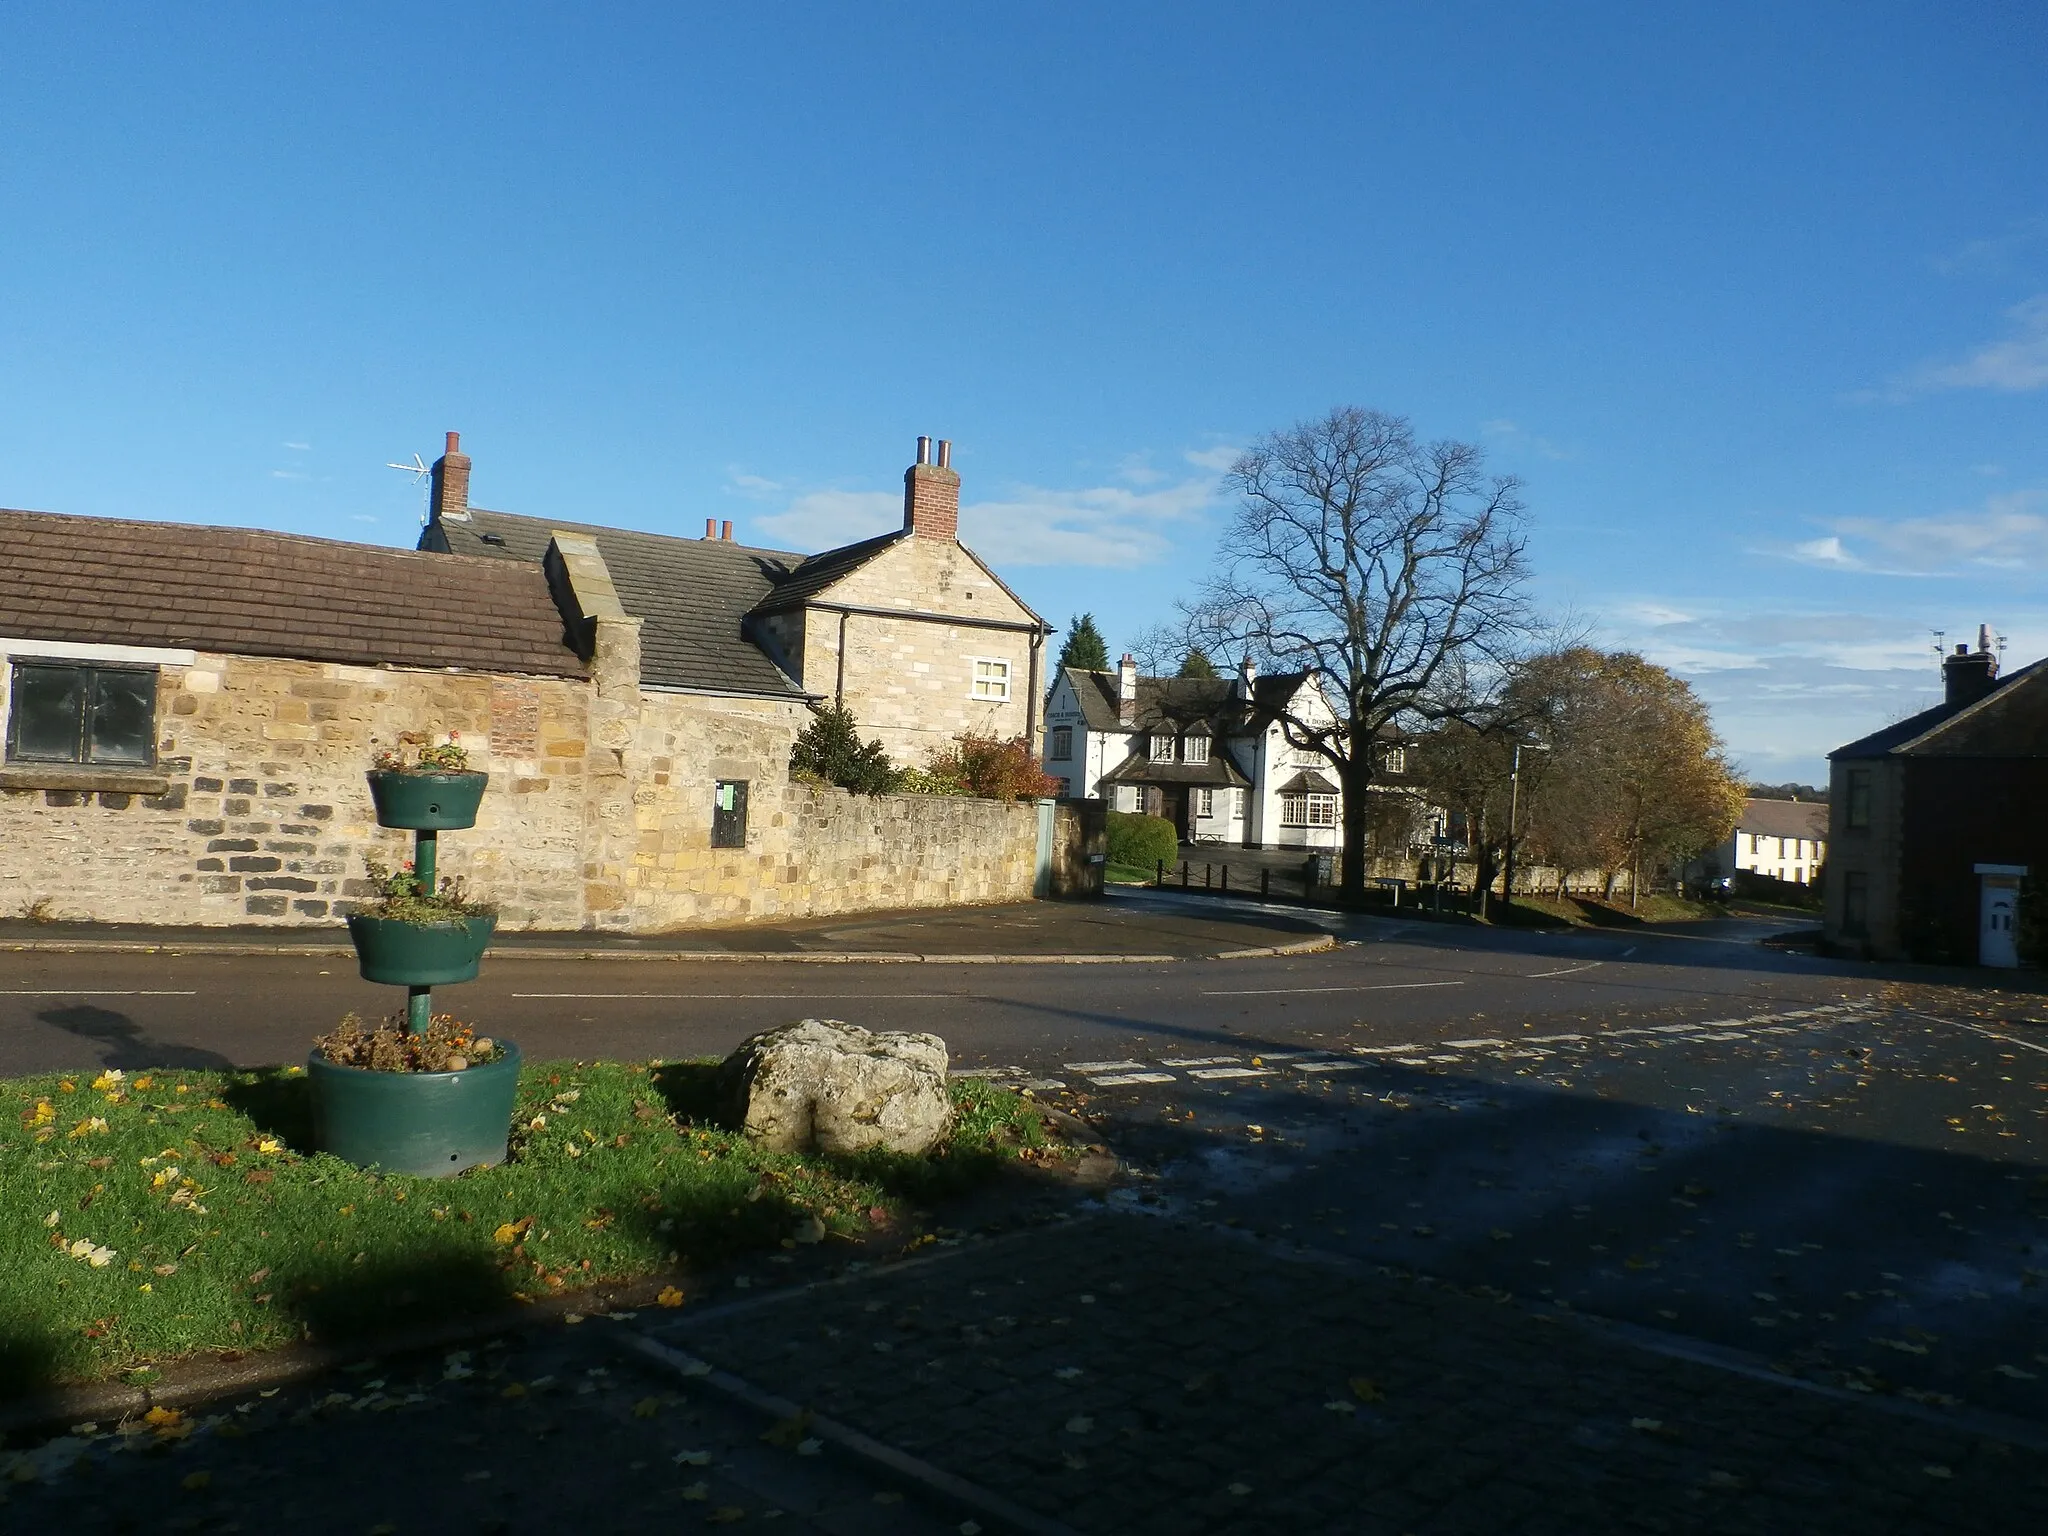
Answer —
599 813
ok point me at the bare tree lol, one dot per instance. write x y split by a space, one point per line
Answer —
1382 567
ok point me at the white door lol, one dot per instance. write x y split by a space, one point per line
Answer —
1996 942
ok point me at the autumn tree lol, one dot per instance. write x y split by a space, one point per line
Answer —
1084 647
1380 566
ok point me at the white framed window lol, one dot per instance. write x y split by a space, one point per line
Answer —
1195 749
991 679
1395 760
1237 805
1062 743
1308 810
1205 802
1162 746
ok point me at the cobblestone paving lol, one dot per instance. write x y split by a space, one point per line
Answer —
1130 1374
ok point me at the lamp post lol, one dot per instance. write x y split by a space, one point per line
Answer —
1514 808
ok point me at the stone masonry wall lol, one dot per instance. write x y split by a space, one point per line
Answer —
599 813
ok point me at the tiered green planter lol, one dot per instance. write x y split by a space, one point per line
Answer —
433 1123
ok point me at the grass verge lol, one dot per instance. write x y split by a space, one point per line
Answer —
152 1217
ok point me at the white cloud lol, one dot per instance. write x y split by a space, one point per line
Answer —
1216 460
737 479
289 474
1995 255
1513 435
1104 526
2013 364
2006 533
300 447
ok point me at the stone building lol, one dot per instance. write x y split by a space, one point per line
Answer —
1938 825
189 712
911 629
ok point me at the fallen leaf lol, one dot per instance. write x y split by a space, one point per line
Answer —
1067 1372
194 1481
669 1297
2015 1372
788 1431
692 1458
1080 1424
510 1232
1240 1489
647 1408
810 1447
697 1493
726 1514
1366 1390
1338 1405
1935 1470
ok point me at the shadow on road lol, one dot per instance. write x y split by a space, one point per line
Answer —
126 1044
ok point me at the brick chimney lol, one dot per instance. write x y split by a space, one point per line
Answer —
1968 675
931 493
1127 690
1247 674
450 495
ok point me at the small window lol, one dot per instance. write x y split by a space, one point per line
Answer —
1162 747
991 680
729 814
1195 749
1856 903
1857 810
1205 802
62 713
1396 760
1756 842
1062 743
1237 805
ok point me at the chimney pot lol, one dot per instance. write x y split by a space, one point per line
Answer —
1968 675
945 454
725 531
924 450
448 495
454 443
931 494
710 527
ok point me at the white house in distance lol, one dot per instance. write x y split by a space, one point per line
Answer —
1783 839
1206 753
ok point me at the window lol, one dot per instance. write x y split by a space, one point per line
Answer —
1062 743
1205 802
65 713
1162 747
991 679
1856 813
1855 903
729 814
1195 749
1237 805
1395 760
1756 842
1308 810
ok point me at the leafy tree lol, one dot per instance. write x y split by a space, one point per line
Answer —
989 768
1385 568
1085 647
1196 664
830 751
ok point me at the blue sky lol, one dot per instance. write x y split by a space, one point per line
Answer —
1754 297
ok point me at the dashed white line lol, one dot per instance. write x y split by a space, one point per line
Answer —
1103 1066
1389 986
74 992
1121 1079
1570 970
727 997
1213 1074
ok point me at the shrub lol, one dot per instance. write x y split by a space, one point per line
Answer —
990 769
1141 842
830 751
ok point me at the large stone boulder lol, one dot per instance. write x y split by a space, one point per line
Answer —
830 1087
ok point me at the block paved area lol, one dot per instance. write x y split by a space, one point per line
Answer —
560 1431
1130 1373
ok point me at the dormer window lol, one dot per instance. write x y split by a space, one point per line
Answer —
1162 747
1196 749
1395 760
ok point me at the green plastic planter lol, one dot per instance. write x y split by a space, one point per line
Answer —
419 954
432 1123
427 802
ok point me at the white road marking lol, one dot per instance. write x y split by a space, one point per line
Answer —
1199 1061
1570 970
1471 1045
74 992
1103 1066
1550 1039
736 996
1388 986
1211 1074
1124 1078
1329 1066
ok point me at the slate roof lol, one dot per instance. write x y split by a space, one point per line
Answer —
1784 818
245 592
814 573
1218 772
2009 721
693 596
1308 782
1184 701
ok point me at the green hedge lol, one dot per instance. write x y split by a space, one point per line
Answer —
1141 841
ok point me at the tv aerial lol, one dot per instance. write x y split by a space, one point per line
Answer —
417 469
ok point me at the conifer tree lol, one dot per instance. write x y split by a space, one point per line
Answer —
830 749
1085 647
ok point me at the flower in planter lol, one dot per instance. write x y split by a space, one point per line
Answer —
447 1045
413 752
400 896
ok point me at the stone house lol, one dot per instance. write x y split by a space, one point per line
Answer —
188 713
1779 839
1208 754
1937 824
911 629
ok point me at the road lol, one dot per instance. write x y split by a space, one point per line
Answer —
73 1011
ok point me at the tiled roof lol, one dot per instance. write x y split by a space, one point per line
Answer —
109 581
1784 818
2009 721
692 595
1218 772
815 573
1184 701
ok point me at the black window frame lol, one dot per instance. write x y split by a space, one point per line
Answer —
84 746
1856 799
1063 744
